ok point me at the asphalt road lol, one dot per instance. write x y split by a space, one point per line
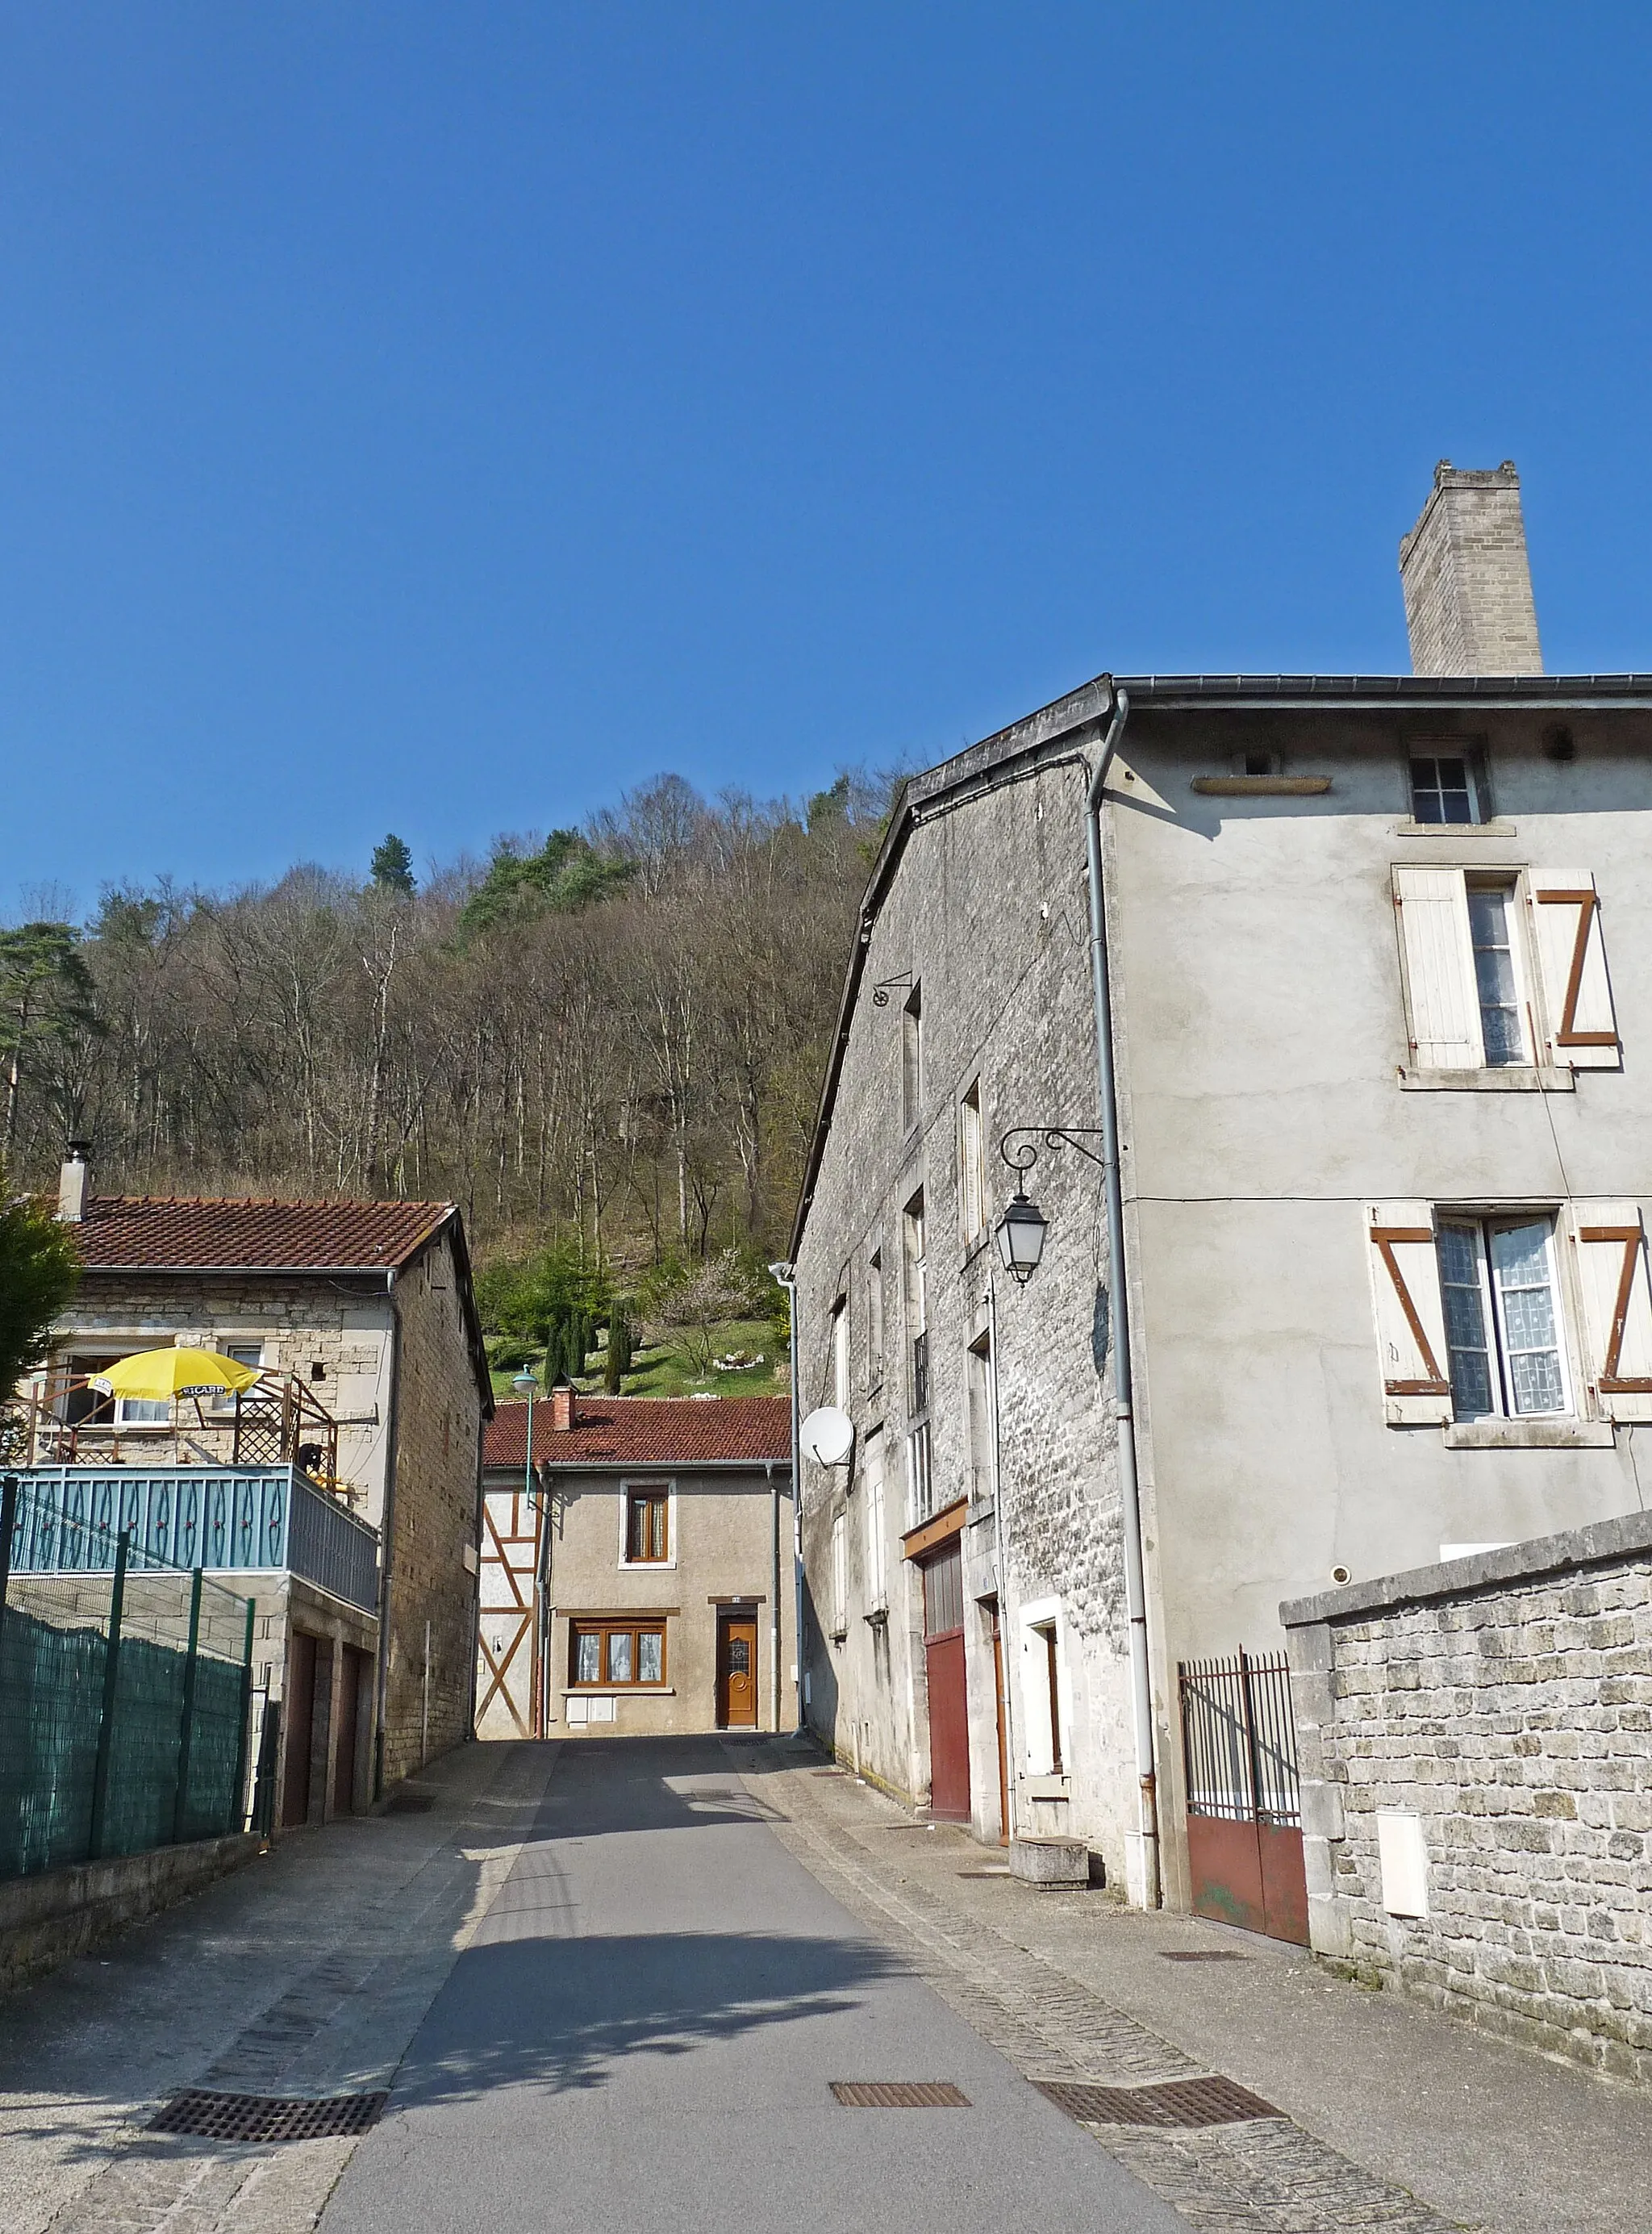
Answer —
642 2033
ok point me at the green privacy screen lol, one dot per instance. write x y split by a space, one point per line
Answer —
122 1713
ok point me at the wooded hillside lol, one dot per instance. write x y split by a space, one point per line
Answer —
613 1038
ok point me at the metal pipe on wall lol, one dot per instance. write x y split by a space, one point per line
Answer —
1147 1887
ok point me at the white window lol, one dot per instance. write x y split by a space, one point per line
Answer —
1503 1325
912 1229
1497 980
141 1411
912 1059
920 1487
840 1575
972 1197
244 1353
978 1368
872 1523
875 1318
840 1355
1443 788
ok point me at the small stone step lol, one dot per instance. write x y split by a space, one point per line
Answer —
1050 1861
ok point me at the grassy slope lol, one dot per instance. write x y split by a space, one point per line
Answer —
666 1371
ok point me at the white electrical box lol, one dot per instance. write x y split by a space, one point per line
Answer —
1404 1860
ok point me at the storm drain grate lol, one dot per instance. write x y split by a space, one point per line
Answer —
898 2094
267 2117
1201 1955
1176 2102
829 1772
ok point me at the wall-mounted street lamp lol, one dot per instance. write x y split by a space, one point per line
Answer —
527 1384
1020 1233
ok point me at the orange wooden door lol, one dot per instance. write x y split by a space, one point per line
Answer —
737 1674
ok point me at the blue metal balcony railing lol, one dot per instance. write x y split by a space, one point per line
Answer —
230 1519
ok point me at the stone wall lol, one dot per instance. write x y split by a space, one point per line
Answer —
434 1521
988 913
1491 1719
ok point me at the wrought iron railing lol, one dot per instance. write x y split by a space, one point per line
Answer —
226 1519
70 1421
1239 1738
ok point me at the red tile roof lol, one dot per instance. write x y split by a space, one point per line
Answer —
654 1431
140 1232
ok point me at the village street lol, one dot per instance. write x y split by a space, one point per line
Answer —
608 1985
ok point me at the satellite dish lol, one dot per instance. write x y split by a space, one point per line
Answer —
827 1436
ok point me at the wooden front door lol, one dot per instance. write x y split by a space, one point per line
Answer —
949 1697
737 1672
299 1709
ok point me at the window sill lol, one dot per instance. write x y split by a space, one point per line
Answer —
647 1567
1517 1078
876 1616
1492 829
837 1636
621 1691
1046 1788
1530 1435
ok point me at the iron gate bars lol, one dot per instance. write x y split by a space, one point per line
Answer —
1239 1738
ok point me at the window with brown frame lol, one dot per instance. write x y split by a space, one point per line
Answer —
616 1654
648 1525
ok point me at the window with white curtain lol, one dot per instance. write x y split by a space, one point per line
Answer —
1503 1323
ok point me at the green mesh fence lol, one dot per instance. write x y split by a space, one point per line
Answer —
123 1703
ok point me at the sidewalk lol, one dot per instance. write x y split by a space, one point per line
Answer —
1399 2118
306 1973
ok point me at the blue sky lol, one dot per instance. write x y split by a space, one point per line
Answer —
439 418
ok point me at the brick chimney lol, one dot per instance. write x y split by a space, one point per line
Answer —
74 1182
562 1407
1467 583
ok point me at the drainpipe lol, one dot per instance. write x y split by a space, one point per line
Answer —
1119 1307
787 1275
387 1520
1007 1687
774 1595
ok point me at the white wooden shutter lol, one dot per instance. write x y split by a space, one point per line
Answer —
1617 1306
1571 953
1410 1320
1444 1009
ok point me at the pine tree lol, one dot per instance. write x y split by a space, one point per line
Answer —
392 867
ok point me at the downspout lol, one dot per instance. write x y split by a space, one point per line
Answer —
787 1275
1145 1886
387 1537
1007 1688
774 1595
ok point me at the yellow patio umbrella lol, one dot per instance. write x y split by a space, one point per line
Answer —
156 1374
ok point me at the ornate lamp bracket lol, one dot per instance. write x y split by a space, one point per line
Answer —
1030 1139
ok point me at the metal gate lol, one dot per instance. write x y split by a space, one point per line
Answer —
1244 1841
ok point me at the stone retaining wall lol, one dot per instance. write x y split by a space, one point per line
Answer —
46 1919
1476 1749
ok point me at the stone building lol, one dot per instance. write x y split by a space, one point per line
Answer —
357 1539
1375 958
637 1578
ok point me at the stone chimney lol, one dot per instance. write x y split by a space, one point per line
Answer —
74 1182
562 1407
1467 583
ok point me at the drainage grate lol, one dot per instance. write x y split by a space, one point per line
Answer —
1002 1871
829 1772
1176 2102
898 2094
266 2117
1201 1955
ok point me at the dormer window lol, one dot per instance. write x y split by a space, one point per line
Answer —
1443 788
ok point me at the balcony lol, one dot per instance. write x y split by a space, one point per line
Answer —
237 1520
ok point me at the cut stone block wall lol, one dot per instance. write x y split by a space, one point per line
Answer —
1504 1704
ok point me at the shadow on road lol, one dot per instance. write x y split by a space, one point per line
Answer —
560 2014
